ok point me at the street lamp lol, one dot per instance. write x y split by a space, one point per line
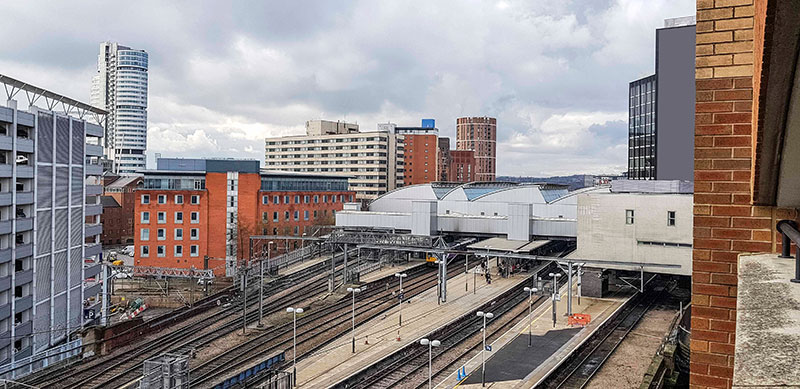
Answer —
485 316
260 291
269 256
530 291
303 244
431 344
555 276
401 276
294 312
353 320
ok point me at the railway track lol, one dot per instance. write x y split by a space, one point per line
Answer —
124 366
578 369
316 329
408 367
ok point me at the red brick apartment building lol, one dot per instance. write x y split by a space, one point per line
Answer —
189 208
746 160
462 166
420 158
479 134
118 203
428 158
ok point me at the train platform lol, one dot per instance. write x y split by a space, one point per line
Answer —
304 264
512 364
388 270
383 336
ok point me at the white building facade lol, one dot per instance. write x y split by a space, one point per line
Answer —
120 87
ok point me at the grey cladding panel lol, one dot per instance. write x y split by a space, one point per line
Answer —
76 264
43 278
60 316
62 140
62 186
44 193
60 275
43 231
60 223
41 325
75 308
77 227
78 140
44 144
76 192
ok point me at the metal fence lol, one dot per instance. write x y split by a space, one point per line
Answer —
27 365
168 371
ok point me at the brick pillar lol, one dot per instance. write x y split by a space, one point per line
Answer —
725 222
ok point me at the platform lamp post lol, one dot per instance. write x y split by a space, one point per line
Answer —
353 318
269 256
431 344
466 271
401 276
555 276
294 312
530 291
485 316
261 292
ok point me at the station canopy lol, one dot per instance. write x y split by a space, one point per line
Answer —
507 245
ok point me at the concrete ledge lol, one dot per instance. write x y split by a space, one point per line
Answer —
767 323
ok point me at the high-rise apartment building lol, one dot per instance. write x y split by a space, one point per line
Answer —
462 166
189 208
120 87
479 134
49 225
442 158
372 161
420 159
661 106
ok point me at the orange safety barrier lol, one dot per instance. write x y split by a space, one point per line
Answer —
581 319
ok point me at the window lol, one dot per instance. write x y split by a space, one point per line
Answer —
274 216
194 250
264 199
178 251
144 234
316 199
145 217
145 251
286 215
305 199
315 214
231 201
276 199
162 217
194 234
162 199
296 215
145 199
297 199
265 216
194 217
286 199
179 234
178 199
628 216
333 198
161 234
325 198
351 198
178 217
671 218
195 199
161 251
305 215
296 231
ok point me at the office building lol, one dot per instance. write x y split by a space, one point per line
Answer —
479 134
120 87
420 158
373 161
661 108
49 225
189 208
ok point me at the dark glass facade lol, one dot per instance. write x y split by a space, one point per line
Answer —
642 129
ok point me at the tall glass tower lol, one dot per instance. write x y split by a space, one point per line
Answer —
120 87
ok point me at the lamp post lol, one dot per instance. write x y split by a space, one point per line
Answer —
353 318
466 271
260 292
401 276
431 344
294 312
303 244
269 256
530 291
485 316
555 276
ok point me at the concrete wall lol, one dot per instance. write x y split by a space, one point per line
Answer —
604 234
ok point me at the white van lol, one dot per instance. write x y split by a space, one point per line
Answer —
128 250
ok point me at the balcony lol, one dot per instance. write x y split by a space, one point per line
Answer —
5 199
23 329
24 250
23 304
94 130
5 310
5 283
93 290
93 249
24 198
94 150
25 145
94 190
92 270
6 143
5 256
23 277
94 170
24 224
5 170
24 171
93 229
94 209
5 227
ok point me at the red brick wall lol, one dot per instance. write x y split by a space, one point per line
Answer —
725 222
420 158
462 166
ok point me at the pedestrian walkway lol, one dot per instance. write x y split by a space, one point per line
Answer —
379 337
512 364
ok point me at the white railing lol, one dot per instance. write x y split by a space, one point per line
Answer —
27 365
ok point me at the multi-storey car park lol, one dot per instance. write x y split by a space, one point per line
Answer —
49 226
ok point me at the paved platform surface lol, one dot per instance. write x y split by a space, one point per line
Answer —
512 364
304 264
420 317
388 270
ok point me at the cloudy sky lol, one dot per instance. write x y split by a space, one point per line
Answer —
223 77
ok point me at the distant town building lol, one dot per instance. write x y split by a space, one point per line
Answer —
462 166
479 134
120 87
118 208
50 246
443 158
187 209
373 161
661 108
421 150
